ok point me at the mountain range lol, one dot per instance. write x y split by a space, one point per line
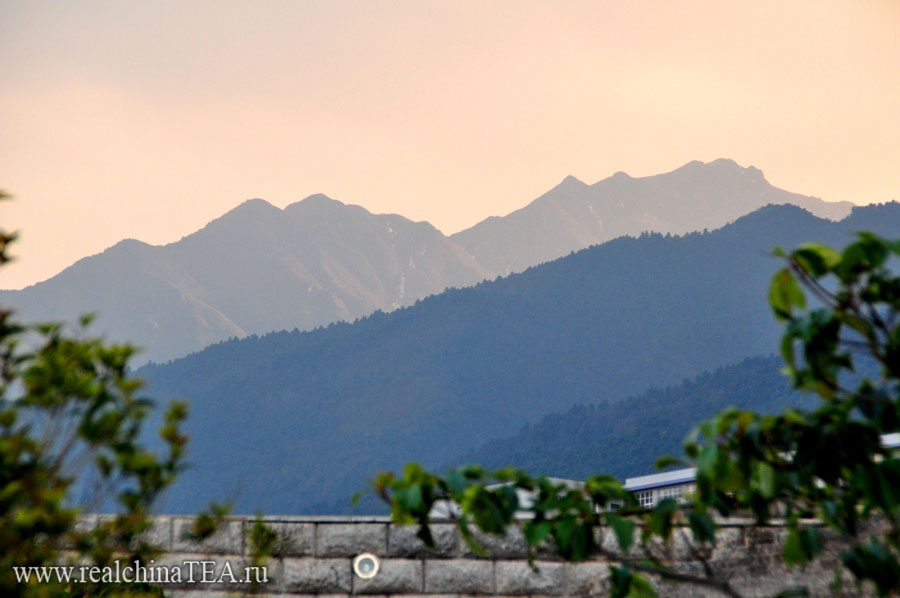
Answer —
574 215
255 269
259 268
294 421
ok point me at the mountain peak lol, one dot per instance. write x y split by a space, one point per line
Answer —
571 182
724 163
722 167
316 201
250 208
255 203
131 244
319 198
620 177
719 164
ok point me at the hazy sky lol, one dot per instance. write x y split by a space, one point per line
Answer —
148 119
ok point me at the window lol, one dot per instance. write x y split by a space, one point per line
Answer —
645 498
676 492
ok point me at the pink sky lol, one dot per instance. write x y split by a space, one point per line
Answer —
147 120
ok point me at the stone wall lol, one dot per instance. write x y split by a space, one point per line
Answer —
315 554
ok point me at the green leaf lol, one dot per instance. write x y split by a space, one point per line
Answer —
463 526
456 482
641 588
818 260
624 530
627 584
703 527
660 522
793 549
765 475
414 498
535 532
801 545
874 562
667 461
620 581
785 294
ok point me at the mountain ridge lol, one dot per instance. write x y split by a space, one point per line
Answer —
429 382
254 269
574 215
259 267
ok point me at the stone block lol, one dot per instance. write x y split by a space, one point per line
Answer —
402 541
228 574
729 544
86 523
460 576
199 594
83 525
609 542
316 576
510 546
584 579
228 539
395 576
518 578
350 539
171 561
159 534
293 538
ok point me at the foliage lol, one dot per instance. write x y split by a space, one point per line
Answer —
828 463
265 542
70 421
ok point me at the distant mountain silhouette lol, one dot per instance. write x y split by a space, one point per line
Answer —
574 215
295 420
257 268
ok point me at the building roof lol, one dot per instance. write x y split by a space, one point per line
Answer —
659 480
686 476
890 440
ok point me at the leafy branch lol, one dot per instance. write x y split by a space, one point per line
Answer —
827 465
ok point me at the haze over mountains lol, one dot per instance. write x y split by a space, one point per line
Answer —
574 215
255 269
259 268
297 421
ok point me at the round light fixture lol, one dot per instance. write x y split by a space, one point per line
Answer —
366 565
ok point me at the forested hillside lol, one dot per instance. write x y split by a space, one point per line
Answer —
292 420
623 438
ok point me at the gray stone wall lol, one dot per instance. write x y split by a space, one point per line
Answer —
314 557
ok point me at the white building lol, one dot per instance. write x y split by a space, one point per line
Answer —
649 490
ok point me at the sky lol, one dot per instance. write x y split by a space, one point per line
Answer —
149 119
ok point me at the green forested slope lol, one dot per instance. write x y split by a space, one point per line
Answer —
624 438
292 420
